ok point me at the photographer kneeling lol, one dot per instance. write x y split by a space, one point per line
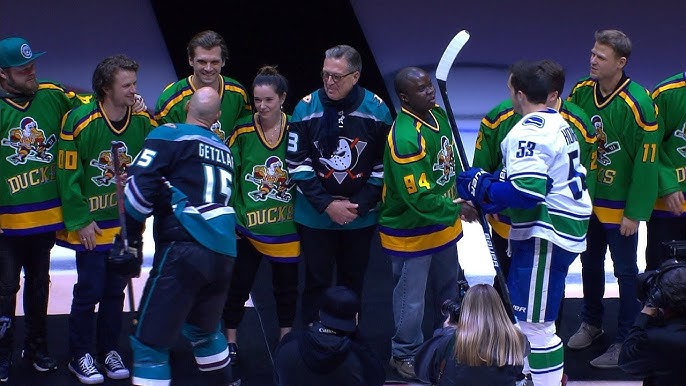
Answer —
478 345
656 345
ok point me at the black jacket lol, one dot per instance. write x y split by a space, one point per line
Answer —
656 351
318 356
435 363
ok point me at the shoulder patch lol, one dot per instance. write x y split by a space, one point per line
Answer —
534 120
307 98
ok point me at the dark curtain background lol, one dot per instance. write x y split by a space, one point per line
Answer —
292 35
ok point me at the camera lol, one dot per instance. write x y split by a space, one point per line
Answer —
673 252
646 283
675 249
651 290
451 307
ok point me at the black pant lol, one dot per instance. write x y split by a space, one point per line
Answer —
284 283
344 251
660 229
187 284
33 254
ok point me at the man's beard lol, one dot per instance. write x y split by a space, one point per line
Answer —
22 89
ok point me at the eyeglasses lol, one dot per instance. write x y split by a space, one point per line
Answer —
336 77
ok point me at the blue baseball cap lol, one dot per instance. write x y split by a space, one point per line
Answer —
16 52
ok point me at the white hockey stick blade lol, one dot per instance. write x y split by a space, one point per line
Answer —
450 54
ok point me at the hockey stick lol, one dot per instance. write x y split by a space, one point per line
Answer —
442 71
116 163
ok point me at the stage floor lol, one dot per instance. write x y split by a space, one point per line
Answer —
473 255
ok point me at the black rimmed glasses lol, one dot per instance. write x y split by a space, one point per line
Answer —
335 77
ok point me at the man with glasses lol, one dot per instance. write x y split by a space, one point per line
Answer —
335 157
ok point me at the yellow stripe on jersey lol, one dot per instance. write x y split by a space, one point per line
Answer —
494 125
579 126
667 87
72 237
419 243
239 131
401 159
661 205
499 227
281 250
35 219
637 115
146 114
230 87
171 103
586 83
608 215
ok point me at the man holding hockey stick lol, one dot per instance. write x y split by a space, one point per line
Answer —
184 176
549 205
498 123
420 216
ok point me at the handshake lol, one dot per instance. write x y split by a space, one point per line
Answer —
473 184
126 260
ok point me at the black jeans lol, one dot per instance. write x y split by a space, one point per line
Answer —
284 283
660 229
32 253
326 251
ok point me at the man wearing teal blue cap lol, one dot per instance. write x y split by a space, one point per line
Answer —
16 52
30 212
31 113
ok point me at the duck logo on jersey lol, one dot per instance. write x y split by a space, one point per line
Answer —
217 129
604 148
445 161
29 143
105 163
271 179
681 133
343 159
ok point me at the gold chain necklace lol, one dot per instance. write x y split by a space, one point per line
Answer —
274 133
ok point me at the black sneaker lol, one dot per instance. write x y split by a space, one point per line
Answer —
84 369
40 360
114 366
233 353
5 364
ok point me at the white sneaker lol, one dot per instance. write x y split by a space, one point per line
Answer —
114 366
84 369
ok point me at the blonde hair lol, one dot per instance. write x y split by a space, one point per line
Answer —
485 336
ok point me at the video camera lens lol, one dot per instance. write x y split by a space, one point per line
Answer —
645 281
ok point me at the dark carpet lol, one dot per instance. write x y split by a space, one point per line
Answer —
577 362
258 336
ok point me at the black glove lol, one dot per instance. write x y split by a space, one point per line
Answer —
126 261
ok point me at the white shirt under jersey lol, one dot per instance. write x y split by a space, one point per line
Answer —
541 157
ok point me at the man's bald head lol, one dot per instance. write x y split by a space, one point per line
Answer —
204 107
